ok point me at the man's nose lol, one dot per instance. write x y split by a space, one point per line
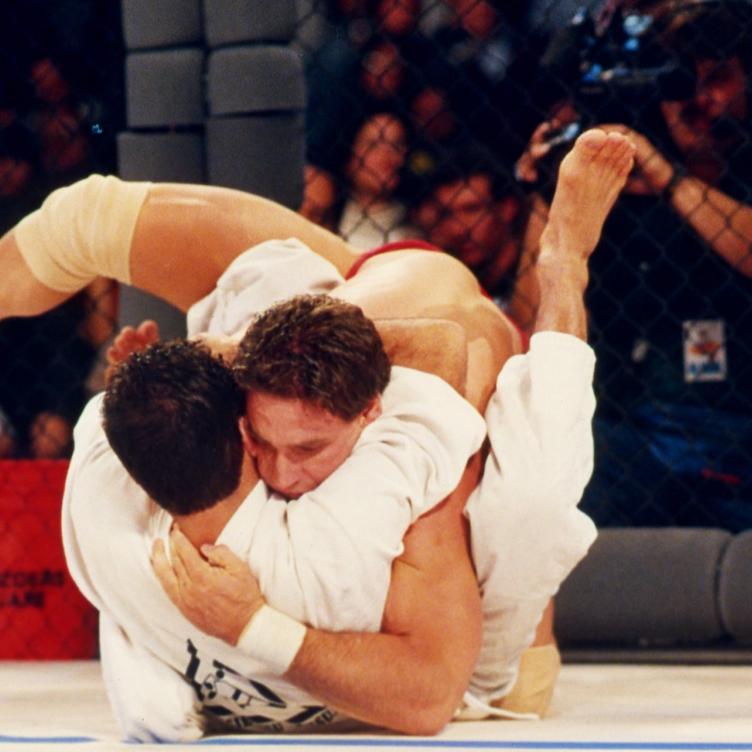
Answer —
287 474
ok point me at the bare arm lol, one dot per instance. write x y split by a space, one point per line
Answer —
411 676
724 223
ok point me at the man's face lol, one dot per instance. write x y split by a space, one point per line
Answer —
377 157
462 217
297 445
721 94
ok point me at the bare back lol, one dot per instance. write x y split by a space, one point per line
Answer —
429 285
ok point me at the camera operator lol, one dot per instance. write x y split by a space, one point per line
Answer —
671 283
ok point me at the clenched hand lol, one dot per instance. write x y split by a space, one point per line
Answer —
214 589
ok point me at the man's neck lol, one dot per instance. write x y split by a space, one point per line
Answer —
206 526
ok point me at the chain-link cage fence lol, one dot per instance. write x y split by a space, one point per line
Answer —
445 120
60 107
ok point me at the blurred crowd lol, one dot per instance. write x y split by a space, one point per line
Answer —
445 120
60 104
417 111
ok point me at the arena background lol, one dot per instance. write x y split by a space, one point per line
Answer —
269 96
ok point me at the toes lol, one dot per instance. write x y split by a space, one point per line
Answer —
592 139
611 148
615 153
623 155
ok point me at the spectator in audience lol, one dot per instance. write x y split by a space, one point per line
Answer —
383 71
57 120
480 61
670 289
372 213
358 66
474 214
47 361
364 205
397 17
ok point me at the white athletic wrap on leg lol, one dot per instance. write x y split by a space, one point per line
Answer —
273 638
81 232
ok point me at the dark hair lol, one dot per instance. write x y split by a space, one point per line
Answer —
706 29
459 165
318 349
171 416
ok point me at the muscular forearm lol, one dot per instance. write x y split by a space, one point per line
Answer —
381 679
722 222
409 678
412 676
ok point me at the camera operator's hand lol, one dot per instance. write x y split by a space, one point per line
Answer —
652 172
558 133
526 168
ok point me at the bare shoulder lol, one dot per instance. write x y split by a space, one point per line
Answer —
436 346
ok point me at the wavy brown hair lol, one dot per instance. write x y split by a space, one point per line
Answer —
318 349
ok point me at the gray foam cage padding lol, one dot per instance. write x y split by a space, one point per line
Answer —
161 23
250 79
644 587
238 21
170 157
137 306
262 154
735 588
164 88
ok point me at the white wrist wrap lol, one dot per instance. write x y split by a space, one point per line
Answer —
273 638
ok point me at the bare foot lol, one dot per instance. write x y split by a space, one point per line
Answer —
590 178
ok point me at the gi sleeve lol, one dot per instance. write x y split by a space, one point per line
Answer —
343 536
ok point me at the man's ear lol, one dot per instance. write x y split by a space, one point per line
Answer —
373 410
245 433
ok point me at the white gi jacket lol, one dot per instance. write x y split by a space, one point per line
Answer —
324 558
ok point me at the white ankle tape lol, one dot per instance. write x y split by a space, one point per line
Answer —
273 638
